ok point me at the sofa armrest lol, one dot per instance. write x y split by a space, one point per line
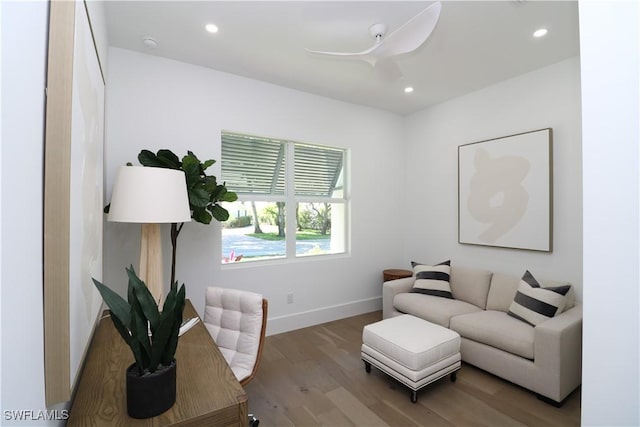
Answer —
558 348
389 290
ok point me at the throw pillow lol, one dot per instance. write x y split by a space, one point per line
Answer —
534 304
432 280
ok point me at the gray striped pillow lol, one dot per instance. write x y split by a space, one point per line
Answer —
534 304
432 280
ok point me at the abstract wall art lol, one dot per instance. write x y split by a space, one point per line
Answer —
505 191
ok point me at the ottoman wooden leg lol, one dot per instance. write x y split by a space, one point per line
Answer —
367 366
414 396
454 376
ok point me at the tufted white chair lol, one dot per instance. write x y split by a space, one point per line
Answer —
237 321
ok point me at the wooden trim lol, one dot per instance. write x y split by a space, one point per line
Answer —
57 158
265 310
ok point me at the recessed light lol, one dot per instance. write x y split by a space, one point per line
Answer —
212 28
408 89
150 42
540 33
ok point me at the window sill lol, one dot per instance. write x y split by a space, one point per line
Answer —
284 261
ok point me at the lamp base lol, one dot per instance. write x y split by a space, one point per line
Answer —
151 260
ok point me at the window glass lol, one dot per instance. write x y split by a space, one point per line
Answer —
320 229
254 231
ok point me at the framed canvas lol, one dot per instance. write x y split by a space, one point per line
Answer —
73 197
505 190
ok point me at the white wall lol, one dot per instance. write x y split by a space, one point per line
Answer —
610 95
24 35
156 103
549 97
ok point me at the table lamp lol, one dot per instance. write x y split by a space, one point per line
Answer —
150 196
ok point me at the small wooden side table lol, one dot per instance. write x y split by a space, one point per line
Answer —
395 273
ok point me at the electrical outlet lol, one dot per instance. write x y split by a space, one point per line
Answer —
290 298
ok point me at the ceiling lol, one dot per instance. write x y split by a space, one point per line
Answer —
474 45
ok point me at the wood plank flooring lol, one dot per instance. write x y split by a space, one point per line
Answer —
315 377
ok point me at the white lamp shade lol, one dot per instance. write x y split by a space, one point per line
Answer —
144 194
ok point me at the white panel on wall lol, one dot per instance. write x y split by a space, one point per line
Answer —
609 45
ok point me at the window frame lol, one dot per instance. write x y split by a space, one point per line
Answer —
292 200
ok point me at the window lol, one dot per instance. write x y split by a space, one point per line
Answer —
292 200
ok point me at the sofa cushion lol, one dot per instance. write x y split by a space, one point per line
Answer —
570 297
534 304
434 309
501 292
470 285
432 280
497 329
504 287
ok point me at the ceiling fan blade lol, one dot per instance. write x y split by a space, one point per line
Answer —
356 55
387 69
405 39
411 35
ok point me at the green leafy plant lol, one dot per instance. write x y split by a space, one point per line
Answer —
151 335
205 194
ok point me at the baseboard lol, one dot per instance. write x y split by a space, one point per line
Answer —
290 322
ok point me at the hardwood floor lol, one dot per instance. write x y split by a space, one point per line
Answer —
315 377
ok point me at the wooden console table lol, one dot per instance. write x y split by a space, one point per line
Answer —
208 393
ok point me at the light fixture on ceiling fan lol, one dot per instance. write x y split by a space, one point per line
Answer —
405 39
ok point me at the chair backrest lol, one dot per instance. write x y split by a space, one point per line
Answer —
237 321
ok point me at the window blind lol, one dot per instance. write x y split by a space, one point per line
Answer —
253 165
256 165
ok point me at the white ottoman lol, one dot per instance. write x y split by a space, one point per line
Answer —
411 350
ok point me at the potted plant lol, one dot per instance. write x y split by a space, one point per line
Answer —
153 338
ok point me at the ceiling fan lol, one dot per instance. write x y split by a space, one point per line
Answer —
405 39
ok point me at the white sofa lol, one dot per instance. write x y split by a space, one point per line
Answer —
546 359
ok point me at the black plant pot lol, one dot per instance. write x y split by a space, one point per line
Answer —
152 394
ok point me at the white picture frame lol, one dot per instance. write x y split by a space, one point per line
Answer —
505 191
